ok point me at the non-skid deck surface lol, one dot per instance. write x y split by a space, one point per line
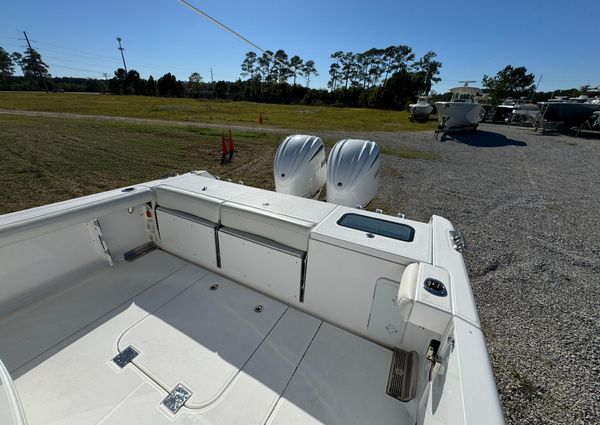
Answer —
243 364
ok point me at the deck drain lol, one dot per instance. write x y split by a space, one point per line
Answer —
214 287
258 308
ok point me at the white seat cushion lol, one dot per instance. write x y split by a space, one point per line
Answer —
286 230
199 205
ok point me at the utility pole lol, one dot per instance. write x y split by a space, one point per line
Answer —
535 89
211 76
37 70
122 55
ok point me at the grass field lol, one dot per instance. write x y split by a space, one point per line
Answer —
211 111
47 160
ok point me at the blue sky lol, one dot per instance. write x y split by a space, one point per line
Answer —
551 37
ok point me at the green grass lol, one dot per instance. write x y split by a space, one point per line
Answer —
50 159
219 112
409 153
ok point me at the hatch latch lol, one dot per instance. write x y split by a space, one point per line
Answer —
125 357
176 398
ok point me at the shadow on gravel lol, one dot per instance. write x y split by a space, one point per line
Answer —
485 139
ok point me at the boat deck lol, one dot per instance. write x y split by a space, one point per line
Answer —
244 357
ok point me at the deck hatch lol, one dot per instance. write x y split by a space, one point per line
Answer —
402 381
125 357
202 338
176 398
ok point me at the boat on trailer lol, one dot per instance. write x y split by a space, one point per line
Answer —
568 113
421 110
195 300
462 112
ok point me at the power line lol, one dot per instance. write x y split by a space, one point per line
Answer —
75 61
112 62
77 69
63 50
237 34
71 50
86 55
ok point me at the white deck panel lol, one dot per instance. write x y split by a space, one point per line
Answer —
29 331
76 382
325 375
203 337
278 203
252 395
288 205
341 380
217 189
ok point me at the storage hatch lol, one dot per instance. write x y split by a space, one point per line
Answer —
202 338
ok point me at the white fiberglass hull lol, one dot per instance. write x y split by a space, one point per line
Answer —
190 300
454 115
418 110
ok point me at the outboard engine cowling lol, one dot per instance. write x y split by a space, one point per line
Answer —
353 172
300 166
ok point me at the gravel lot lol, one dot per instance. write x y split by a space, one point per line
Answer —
528 206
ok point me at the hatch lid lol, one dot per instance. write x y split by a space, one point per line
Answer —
202 338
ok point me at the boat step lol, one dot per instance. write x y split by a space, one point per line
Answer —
402 381
137 252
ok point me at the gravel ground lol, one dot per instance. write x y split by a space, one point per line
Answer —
528 206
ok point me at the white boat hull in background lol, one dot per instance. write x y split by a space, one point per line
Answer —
455 115
299 166
420 111
353 172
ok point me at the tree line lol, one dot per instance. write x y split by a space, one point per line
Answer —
389 78
379 77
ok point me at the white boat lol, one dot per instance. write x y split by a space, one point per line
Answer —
462 111
421 109
194 300
574 112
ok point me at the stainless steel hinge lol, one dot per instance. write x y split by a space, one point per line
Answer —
457 240
101 247
434 358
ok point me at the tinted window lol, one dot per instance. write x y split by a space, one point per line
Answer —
389 229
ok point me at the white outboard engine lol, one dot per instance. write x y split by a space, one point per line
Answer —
353 172
300 166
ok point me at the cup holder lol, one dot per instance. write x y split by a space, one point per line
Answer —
435 287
